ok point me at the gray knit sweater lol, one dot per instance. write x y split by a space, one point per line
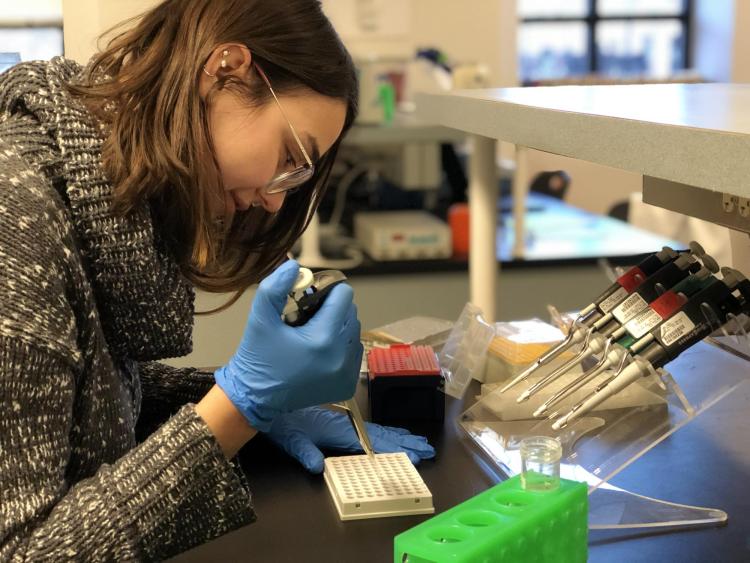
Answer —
87 301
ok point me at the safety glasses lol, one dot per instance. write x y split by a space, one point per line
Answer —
286 181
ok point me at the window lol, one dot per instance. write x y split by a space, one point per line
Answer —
611 38
30 30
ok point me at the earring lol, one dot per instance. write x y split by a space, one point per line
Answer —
222 64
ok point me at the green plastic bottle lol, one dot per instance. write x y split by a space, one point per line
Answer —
387 97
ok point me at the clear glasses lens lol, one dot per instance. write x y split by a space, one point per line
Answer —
289 180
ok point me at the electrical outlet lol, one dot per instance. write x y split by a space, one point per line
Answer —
744 206
729 202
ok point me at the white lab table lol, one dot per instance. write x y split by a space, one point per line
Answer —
691 143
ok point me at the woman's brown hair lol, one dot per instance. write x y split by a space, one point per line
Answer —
144 87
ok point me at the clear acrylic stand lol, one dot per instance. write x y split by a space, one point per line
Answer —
599 445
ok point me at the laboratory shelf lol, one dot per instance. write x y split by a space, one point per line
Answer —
694 134
689 142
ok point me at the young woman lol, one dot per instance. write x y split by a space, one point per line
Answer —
191 152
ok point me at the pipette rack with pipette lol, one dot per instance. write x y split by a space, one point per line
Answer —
649 404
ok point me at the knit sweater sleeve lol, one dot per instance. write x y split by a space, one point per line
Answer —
174 386
165 390
174 491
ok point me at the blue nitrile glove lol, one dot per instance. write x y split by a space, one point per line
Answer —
279 368
301 433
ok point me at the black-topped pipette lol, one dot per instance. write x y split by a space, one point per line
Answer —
624 342
625 284
597 337
603 304
697 319
304 300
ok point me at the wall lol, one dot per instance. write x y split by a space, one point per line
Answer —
741 45
32 11
593 187
468 31
740 243
86 20
721 48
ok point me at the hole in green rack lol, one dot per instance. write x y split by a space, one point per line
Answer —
449 534
513 500
479 519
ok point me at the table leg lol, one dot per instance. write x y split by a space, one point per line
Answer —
520 191
740 245
483 194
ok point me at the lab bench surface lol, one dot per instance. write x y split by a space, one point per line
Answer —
557 234
297 521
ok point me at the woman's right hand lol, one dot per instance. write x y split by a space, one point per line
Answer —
278 368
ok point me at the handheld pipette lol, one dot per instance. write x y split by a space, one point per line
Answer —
602 305
306 297
668 340
625 284
611 323
624 341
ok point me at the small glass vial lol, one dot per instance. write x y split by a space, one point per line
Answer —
540 463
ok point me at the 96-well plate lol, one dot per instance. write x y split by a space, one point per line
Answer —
388 485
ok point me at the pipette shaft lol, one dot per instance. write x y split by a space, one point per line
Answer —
630 374
352 410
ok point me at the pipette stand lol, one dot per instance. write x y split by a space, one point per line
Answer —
602 443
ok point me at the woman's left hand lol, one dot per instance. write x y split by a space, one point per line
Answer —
303 432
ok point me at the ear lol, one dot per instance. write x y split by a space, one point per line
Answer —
226 59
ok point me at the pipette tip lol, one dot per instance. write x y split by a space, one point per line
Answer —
518 379
562 423
523 397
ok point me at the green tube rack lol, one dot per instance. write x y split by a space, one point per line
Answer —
504 524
